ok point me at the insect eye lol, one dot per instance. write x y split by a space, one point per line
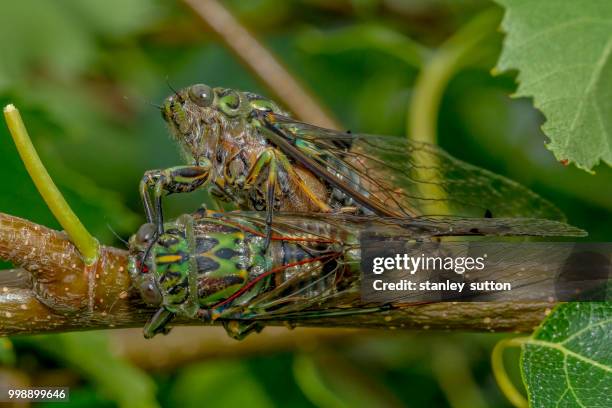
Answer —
201 95
230 103
150 293
145 233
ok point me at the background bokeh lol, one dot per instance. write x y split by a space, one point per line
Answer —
86 74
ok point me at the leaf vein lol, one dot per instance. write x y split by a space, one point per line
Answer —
552 73
593 80
590 326
556 346
569 384
562 26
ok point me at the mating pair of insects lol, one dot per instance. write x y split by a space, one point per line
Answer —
304 195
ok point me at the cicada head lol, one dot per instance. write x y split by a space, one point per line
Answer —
201 117
161 268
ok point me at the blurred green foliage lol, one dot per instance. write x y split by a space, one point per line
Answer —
85 74
90 356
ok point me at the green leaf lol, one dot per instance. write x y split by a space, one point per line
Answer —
568 360
563 52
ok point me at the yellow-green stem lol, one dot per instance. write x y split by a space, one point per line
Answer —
86 244
438 71
501 376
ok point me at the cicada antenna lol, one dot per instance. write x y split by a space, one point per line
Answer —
171 87
116 235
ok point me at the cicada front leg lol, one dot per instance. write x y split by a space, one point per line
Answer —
179 179
157 324
220 196
266 159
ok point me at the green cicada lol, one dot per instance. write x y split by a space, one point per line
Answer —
253 154
216 267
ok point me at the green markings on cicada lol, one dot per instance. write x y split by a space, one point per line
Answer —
175 268
171 255
259 103
228 101
189 178
221 258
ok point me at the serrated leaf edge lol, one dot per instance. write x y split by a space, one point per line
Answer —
504 66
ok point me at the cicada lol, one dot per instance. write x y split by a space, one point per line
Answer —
250 152
215 266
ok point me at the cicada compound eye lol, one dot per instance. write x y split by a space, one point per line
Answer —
202 95
150 293
145 233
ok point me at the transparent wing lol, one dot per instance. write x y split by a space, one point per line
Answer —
407 178
349 225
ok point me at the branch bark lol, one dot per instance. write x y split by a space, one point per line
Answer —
64 294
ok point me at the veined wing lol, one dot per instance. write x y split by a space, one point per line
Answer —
345 225
399 177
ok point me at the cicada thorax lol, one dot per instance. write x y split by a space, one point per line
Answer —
297 189
229 259
225 261
171 257
234 267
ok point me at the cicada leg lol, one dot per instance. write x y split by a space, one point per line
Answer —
266 159
239 329
180 179
219 196
157 323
